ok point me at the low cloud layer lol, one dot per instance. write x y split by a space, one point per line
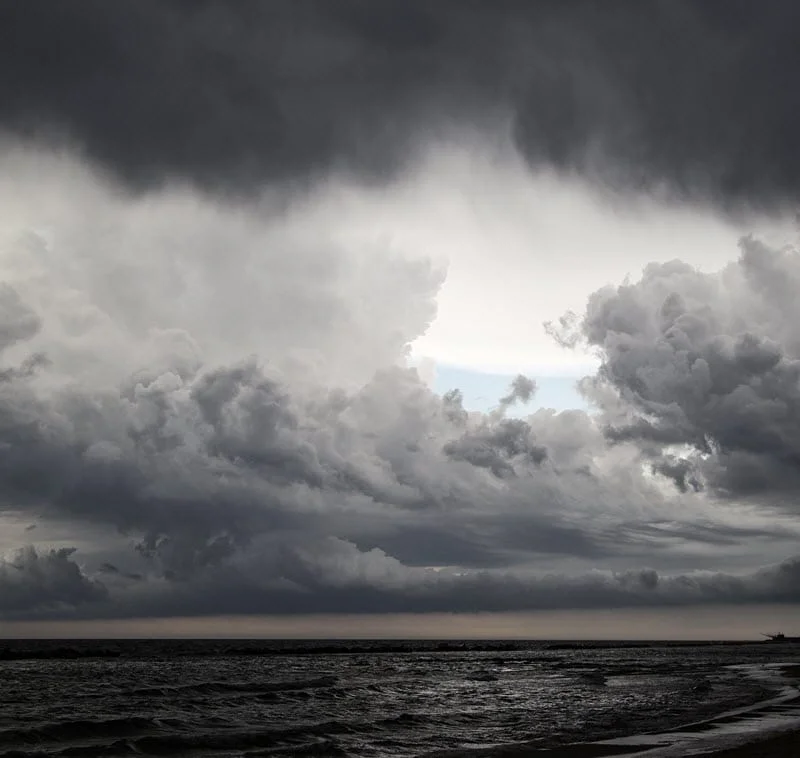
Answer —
329 575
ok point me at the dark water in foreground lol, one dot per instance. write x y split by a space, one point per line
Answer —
214 698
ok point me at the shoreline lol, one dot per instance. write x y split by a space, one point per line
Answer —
770 729
777 746
769 746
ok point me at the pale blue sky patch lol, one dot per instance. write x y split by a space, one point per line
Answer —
483 391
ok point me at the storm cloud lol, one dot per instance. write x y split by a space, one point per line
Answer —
333 576
705 369
269 486
39 582
207 398
200 407
694 99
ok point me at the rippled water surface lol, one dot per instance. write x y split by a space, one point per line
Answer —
355 699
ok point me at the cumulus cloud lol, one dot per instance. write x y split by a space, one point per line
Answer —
198 465
105 284
233 397
32 581
704 370
203 377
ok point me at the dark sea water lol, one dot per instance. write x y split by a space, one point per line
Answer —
226 698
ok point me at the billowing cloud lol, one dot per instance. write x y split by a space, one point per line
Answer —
196 375
105 284
202 378
680 95
259 486
705 371
40 582
204 374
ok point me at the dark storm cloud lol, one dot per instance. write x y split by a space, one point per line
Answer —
195 467
196 463
330 575
33 581
497 446
710 533
697 97
709 364
498 443
244 492
373 582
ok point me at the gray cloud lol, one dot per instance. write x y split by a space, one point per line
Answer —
19 322
31 581
233 491
195 460
708 363
522 390
198 283
197 466
496 446
695 97
226 387
331 575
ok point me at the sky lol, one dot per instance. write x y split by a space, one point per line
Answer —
399 318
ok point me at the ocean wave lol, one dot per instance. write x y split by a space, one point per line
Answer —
14 650
248 687
327 748
84 729
379 706
308 739
59 653
177 744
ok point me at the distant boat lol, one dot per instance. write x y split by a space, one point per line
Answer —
780 637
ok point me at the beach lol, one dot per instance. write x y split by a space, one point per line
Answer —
785 745
781 746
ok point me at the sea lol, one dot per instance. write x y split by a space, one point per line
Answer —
433 699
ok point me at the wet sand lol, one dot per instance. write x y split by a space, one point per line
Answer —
782 746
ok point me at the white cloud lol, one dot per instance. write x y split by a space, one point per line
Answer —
521 249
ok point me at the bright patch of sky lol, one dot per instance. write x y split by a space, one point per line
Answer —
482 391
521 248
